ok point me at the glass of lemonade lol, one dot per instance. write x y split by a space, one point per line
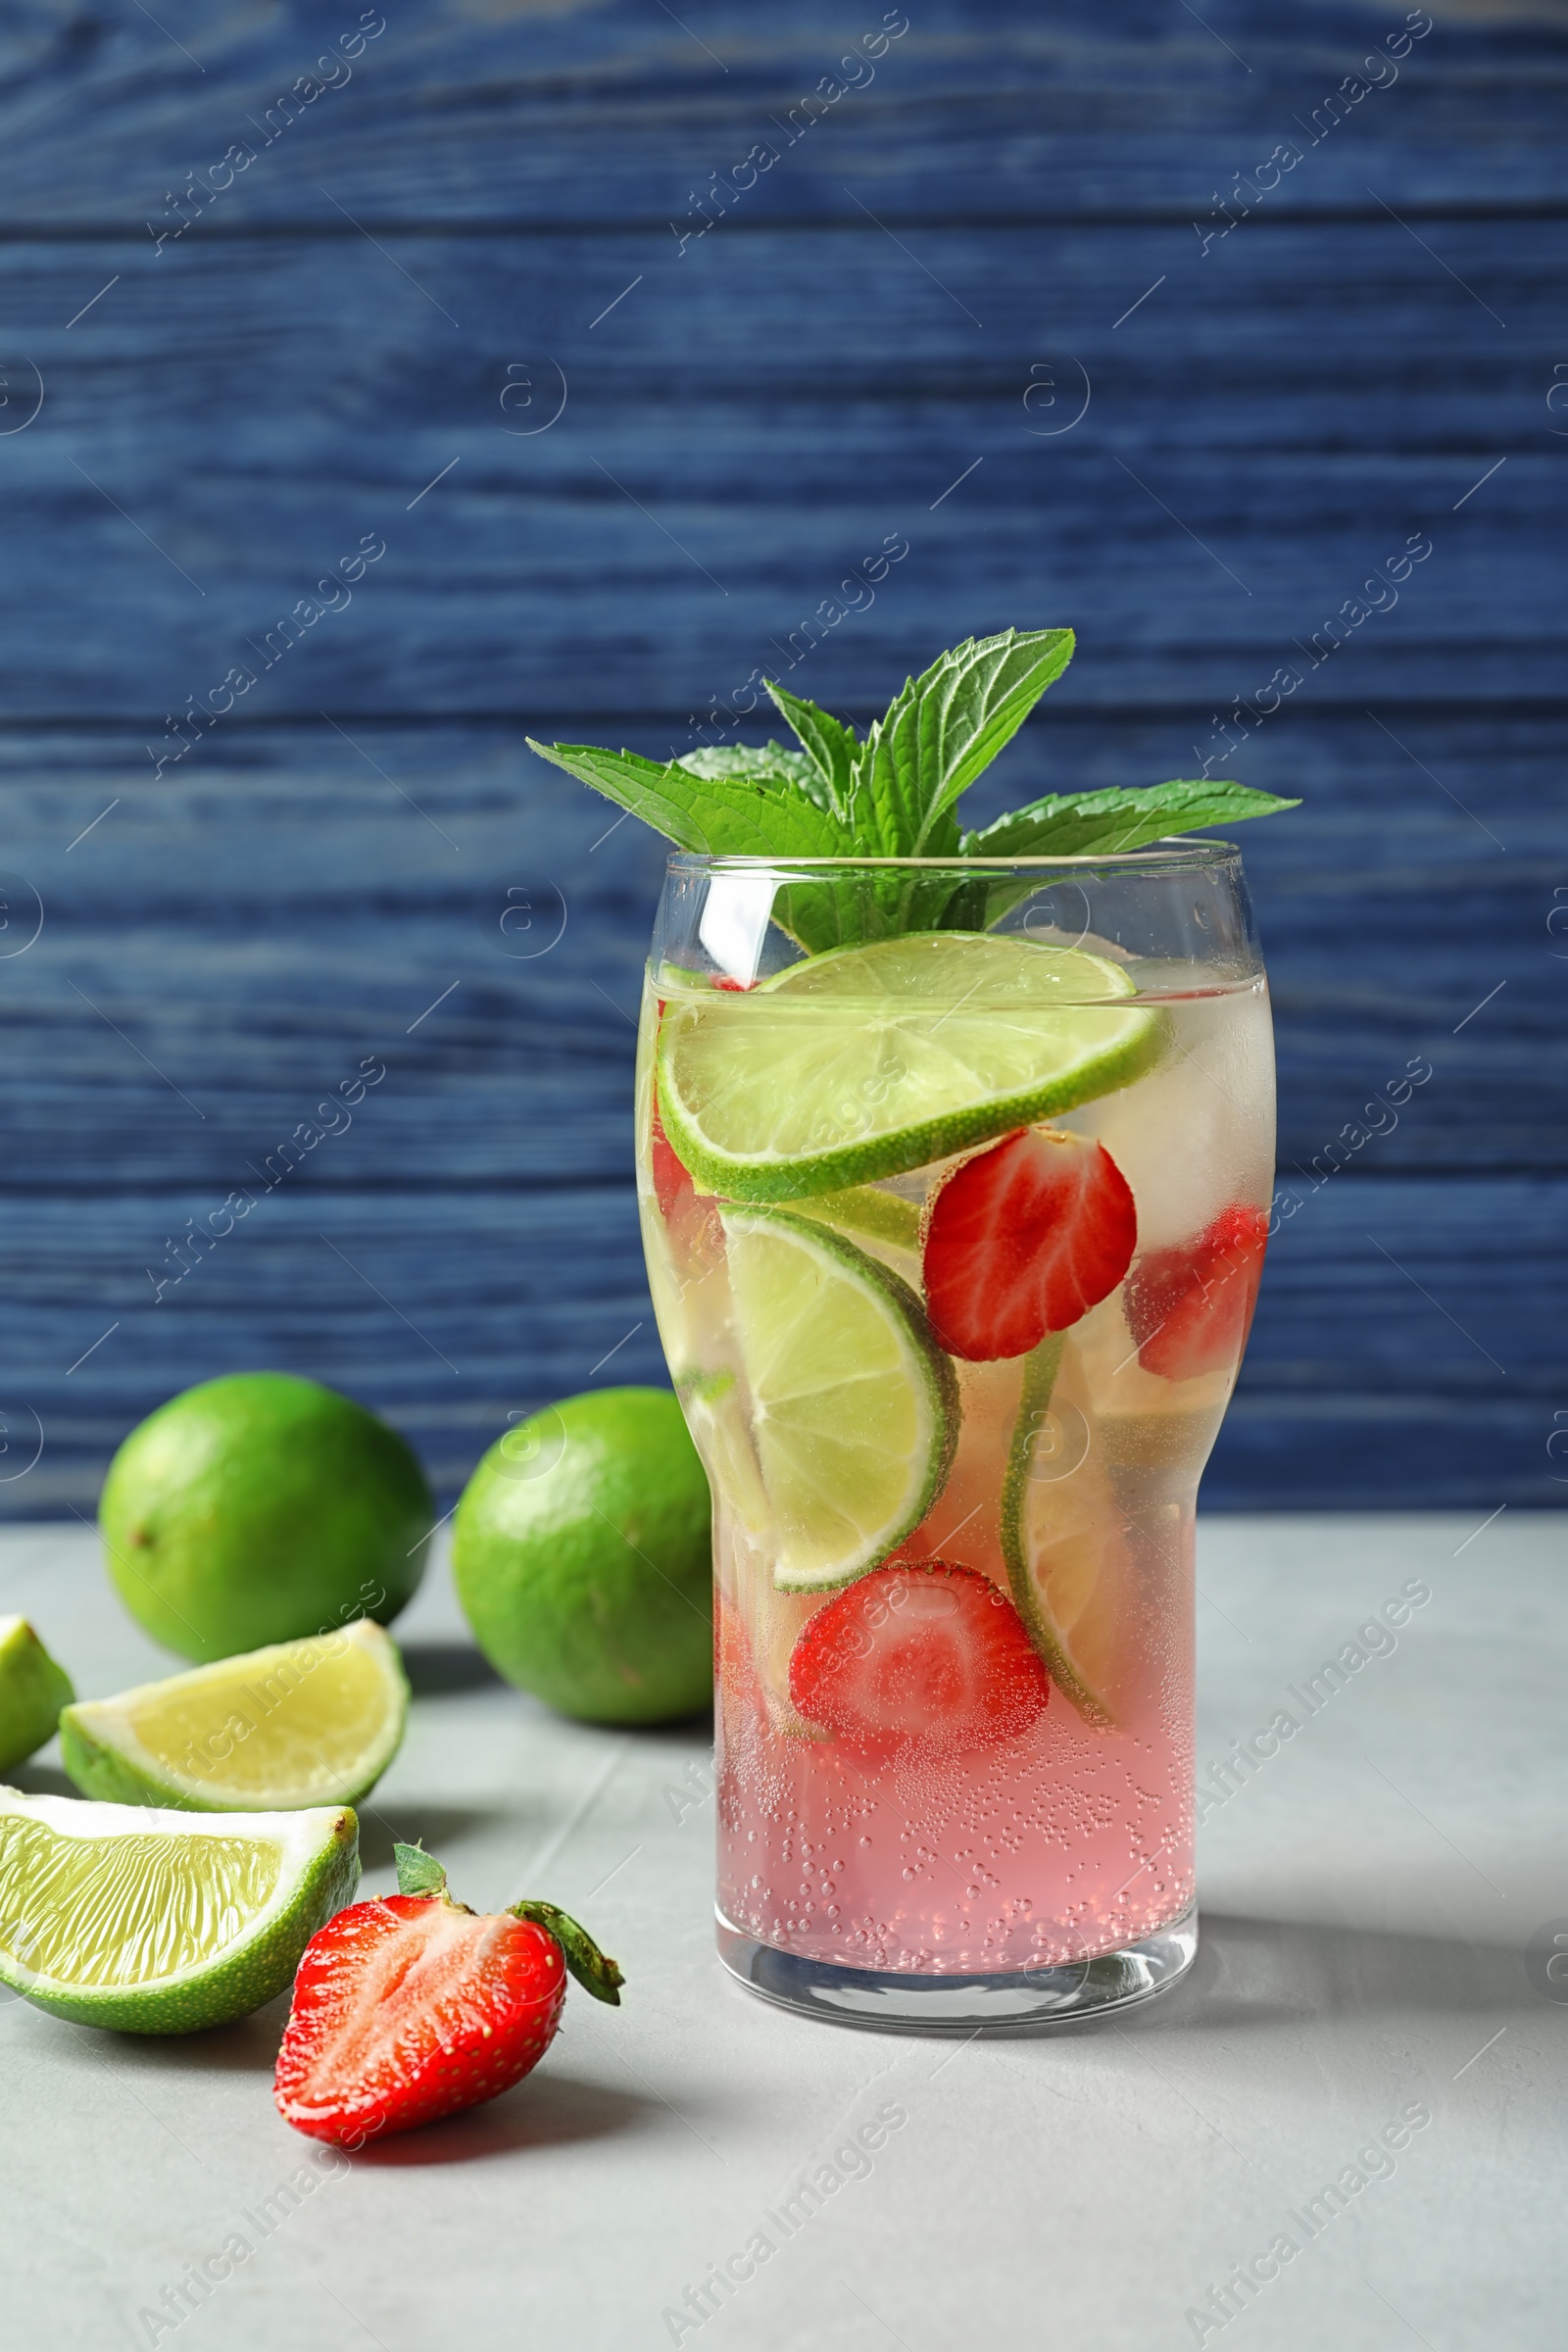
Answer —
953 1232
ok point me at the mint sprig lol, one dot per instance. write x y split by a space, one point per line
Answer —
894 795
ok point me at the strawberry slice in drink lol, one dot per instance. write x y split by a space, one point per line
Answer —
693 1233
1190 1308
1023 1240
672 1183
919 1656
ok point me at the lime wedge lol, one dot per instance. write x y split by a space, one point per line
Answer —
870 1062
32 1691
1063 1541
162 1922
299 1723
853 1406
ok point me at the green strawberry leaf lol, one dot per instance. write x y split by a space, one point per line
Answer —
758 812
943 729
593 1969
1088 824
418 1873
830 745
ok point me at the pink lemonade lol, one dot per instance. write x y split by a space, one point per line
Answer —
953 1416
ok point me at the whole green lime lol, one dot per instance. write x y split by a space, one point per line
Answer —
261 1508
582 1558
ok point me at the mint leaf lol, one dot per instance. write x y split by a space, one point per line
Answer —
745 760
942 731
758 812
1089 825
830 746
773 765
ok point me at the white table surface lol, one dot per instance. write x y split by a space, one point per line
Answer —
1368 1902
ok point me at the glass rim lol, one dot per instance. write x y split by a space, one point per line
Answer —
1174 852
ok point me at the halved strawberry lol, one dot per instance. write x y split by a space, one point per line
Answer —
918 1655
413 2007
1190 1308
1025 1239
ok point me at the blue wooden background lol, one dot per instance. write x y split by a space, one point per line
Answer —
452 216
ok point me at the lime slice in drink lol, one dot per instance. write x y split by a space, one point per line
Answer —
870 1061
1063 1541
853 1404
162 1922
863 1210
299 1723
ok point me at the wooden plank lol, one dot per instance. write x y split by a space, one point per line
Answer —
1258 440
291 902
448 1313
1403 1348
583 110
1381 1448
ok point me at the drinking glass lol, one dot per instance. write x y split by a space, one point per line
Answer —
954 1181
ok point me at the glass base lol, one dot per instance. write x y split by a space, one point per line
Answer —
890 2002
